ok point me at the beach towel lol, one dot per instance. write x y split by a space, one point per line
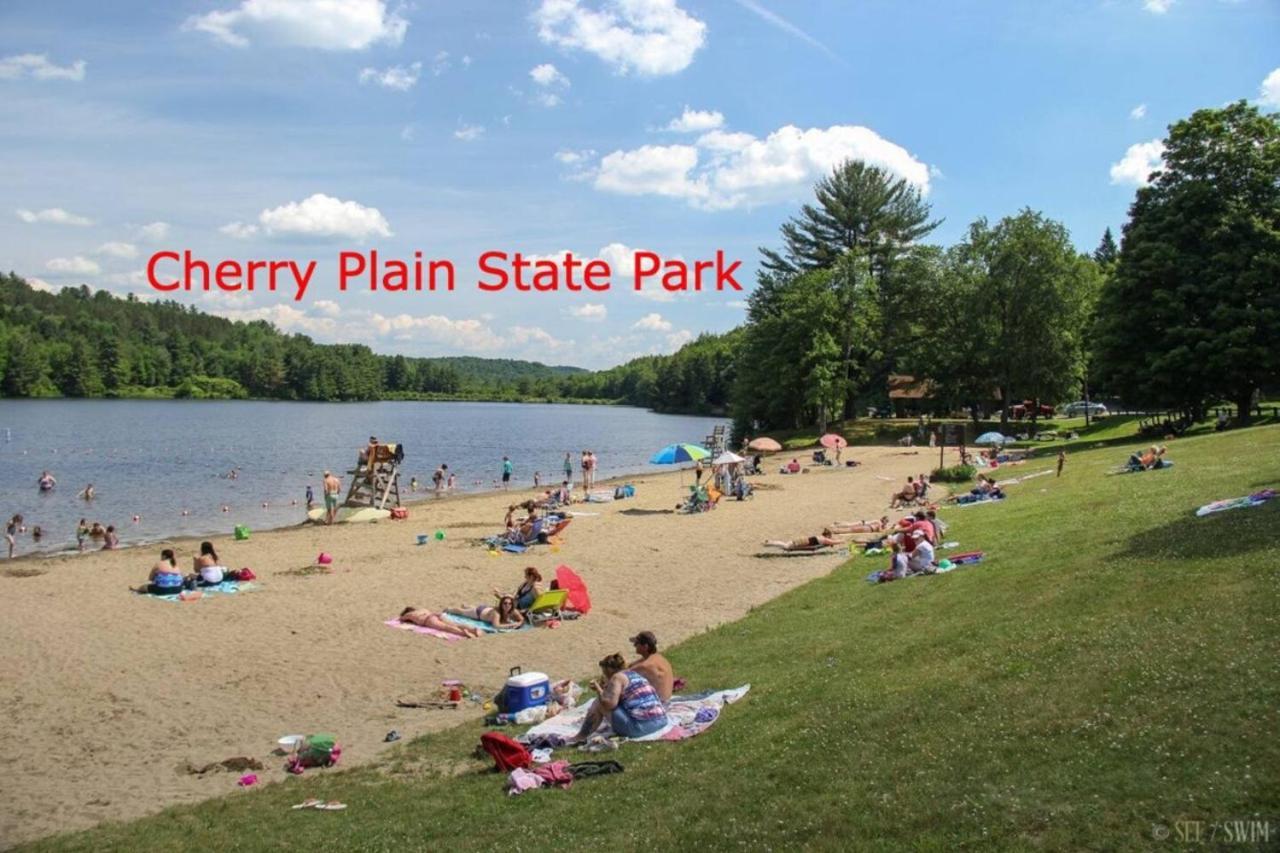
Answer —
690 715
201 593
420 629
484 627
977 500
1255 499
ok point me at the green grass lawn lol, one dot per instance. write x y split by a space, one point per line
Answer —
1113 665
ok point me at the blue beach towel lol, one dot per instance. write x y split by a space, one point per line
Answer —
484 627
224 588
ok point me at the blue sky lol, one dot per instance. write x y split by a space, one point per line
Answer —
260 129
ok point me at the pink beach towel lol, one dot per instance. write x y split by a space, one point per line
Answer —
418 629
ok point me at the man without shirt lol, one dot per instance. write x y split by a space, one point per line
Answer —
653 666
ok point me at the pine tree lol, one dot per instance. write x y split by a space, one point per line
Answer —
1107 252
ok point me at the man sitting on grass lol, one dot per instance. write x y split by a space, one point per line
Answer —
653 666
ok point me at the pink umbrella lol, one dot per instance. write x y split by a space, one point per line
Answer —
833 441
764 444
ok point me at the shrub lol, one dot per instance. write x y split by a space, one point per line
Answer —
954 474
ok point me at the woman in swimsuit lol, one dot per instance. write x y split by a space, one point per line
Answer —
165 579
527 591
428 619
206 566
504 615
808 543
110 541
864 526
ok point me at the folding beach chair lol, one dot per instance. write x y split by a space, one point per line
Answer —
547 605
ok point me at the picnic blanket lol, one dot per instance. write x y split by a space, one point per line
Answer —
420 629
201 593
951 564
690 715
1255 499
978 500
485 627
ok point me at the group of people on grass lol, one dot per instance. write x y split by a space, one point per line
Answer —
916 491
631 697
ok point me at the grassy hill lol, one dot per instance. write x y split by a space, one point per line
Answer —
1107 675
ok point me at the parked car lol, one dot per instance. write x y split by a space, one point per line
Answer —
1026 407
1078 408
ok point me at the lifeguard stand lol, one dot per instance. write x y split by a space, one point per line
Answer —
382 487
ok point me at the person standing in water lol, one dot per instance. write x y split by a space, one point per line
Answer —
568 467
82 533
506 472
311 497
11 533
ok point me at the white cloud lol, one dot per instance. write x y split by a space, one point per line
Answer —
407 133
466 61
399 77
1138 112
134 278
52 216
469 132
440 63
1139 161
1157 7
154 232
324 24
547 74
239 230
547 99
622 261
574 158
729 170
589 311
649 37
327 307
653 323
738 303
77 265
696 121
651 169
320 215
38 67
117 249
675 340
42 285
1269 91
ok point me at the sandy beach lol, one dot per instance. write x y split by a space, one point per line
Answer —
108 696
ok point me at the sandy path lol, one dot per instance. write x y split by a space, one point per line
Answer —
105 696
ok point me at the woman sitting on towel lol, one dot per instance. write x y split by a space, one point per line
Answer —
527 591
837 528
427 619
207 567
165 579
503 616
809 543
626 700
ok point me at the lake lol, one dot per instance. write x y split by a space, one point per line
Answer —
157 459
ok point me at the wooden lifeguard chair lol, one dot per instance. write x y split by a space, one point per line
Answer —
383 487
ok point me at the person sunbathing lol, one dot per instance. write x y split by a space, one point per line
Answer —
626 700
808 543
843 527
505 615
1153 457
427 619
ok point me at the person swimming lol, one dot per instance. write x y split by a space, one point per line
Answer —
46 482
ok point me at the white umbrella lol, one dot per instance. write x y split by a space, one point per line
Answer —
727 458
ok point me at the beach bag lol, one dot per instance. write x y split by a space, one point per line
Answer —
507 754
241 532
317 751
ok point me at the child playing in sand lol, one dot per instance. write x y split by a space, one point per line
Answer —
428 619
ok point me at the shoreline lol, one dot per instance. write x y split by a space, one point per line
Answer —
416 499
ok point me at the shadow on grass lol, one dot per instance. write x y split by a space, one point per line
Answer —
1234 533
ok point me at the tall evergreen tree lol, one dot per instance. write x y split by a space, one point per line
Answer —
1192 313
1107 251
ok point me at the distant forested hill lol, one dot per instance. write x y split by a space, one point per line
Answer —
81 343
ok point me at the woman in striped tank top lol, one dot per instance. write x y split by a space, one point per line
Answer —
626 700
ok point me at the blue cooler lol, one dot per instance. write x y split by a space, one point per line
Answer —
526 690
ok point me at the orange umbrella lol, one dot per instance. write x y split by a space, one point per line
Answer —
833 441
765 444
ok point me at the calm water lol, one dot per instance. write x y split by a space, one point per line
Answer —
155 459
